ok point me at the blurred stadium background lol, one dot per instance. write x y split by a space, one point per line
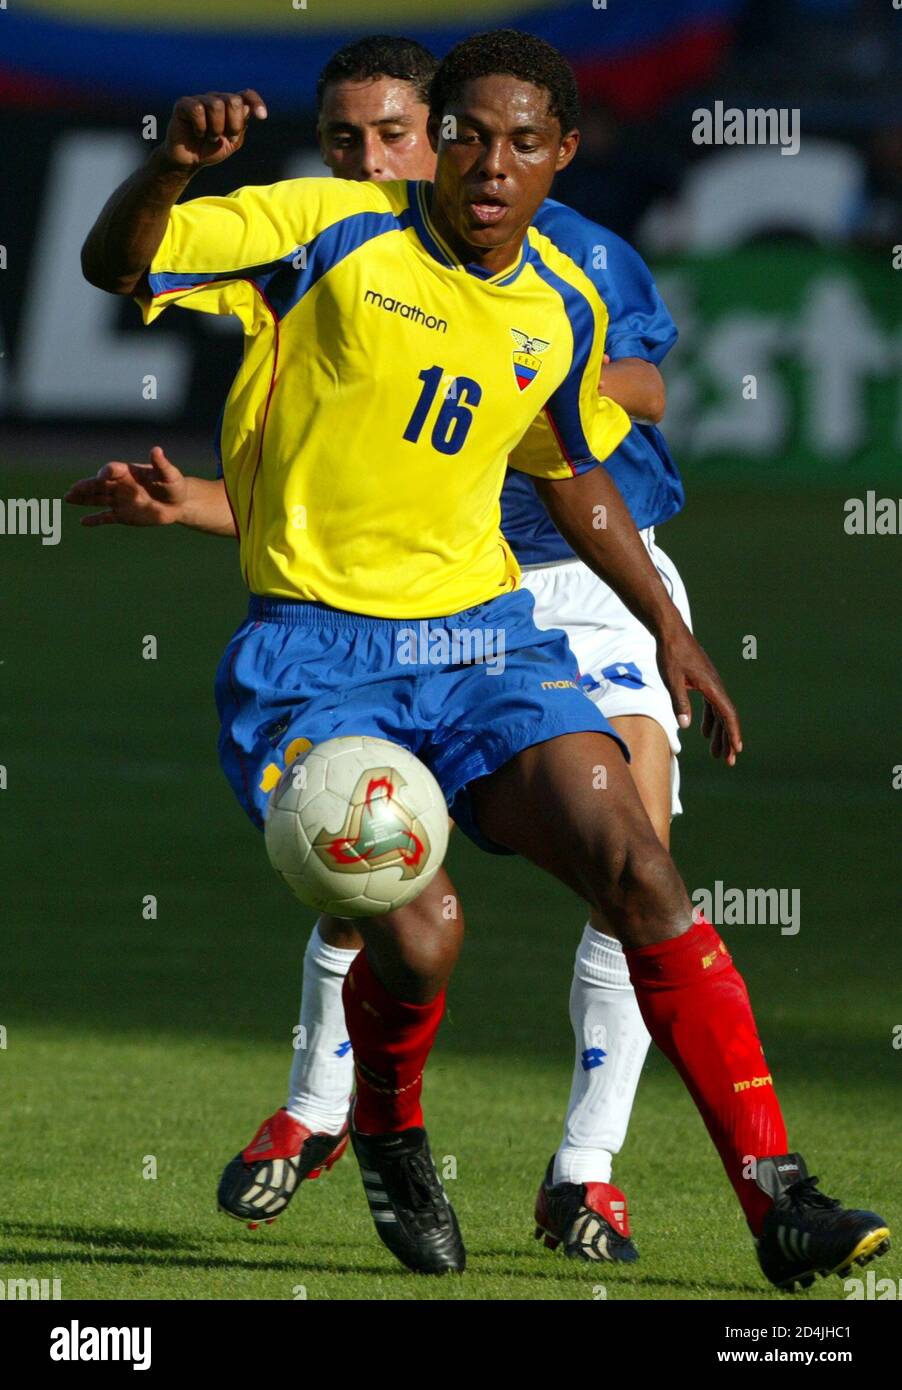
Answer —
82 80
170 1037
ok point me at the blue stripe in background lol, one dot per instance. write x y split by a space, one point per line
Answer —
133 62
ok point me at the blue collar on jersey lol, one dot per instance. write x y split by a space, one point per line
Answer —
418 202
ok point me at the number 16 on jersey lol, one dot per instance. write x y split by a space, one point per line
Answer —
452 424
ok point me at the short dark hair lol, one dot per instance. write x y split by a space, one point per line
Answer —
382 55
515 54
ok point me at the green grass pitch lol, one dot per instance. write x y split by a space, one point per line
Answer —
128 1039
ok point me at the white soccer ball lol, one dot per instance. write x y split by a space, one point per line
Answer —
357 827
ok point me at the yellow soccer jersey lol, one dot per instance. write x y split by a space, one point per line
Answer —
383 387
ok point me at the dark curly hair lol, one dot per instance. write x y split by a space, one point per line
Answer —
513 53
383 55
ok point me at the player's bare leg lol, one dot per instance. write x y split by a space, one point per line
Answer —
571 806
650 759
340 932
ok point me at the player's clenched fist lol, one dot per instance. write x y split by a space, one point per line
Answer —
205 130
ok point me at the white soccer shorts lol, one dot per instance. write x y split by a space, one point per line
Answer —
611 646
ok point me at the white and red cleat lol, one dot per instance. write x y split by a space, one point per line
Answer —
259 1182
589 1219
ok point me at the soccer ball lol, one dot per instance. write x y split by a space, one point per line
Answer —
357 827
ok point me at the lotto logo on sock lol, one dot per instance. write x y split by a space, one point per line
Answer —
593 1057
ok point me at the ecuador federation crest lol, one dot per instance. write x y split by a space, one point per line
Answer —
379 830
526 357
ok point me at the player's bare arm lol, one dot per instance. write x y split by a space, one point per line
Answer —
203 130
616 554
637 385
155 493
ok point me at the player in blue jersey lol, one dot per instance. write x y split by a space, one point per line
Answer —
372 100
512 103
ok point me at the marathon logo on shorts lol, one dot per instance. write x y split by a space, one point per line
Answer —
77 1343
559 685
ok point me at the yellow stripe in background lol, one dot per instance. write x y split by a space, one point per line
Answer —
320 15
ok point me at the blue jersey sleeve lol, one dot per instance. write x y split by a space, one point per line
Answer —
639 325
639 322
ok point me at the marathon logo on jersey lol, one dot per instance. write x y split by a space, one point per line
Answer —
526 357
77 1343
406 311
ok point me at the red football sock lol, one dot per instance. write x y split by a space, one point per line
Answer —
696 1007
391 1041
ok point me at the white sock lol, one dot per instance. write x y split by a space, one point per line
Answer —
322 1072
606 1020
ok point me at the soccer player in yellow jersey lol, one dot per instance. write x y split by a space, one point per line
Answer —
364 446
372 111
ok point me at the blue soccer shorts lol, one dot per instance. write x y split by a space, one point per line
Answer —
464 693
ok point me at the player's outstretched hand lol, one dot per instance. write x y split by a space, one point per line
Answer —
206 129
685 666
134 494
